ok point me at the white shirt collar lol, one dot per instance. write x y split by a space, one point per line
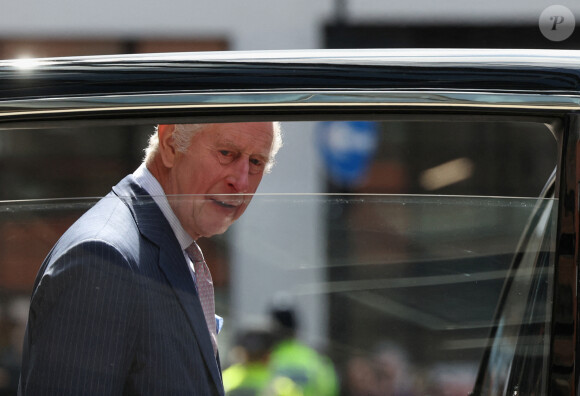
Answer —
150 184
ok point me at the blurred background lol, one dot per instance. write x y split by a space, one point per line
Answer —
65 27
61 163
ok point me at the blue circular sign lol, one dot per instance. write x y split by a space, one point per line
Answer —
347 148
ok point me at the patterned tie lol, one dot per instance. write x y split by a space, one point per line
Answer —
204 286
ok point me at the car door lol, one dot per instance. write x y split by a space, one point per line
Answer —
405 216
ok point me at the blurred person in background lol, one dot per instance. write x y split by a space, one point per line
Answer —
250 375
385 371
452 379
294 362
394 375
360 378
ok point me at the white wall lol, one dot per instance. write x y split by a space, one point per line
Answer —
248 24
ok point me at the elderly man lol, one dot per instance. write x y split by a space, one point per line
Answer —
123 304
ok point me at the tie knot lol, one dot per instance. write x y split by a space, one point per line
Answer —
194 253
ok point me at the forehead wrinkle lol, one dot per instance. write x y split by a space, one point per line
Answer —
233 143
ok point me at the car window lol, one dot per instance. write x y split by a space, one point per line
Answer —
390 239
517 360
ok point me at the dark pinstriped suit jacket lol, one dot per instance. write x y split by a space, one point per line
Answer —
115 311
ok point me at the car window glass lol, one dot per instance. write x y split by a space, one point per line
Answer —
518 356
391 239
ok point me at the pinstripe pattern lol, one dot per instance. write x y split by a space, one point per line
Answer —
114 310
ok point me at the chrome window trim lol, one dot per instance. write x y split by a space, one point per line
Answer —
290 99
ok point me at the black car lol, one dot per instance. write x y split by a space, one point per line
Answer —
422 217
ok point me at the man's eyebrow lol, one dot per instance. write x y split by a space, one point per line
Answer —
232 144
262 157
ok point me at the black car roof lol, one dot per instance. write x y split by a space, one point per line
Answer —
516 71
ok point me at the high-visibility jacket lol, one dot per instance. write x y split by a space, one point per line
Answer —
246 379
255 379
312 372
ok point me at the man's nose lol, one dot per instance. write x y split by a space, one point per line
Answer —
238 177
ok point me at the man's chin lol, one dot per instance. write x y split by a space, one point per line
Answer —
215 229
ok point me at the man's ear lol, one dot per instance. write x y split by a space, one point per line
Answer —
166 144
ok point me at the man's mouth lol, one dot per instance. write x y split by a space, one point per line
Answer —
229 204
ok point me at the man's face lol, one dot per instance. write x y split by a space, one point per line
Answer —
222 169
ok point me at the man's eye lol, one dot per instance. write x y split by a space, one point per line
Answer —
226 156
255 162
256 165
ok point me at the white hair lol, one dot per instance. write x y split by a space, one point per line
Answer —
183 133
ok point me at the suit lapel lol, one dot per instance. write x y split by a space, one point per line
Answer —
175 269
153 225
